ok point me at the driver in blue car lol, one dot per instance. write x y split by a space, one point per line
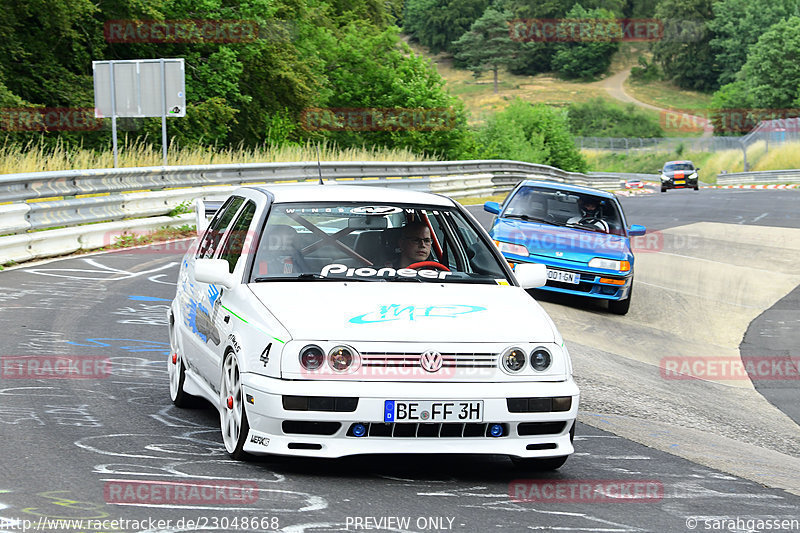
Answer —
591 214
414 244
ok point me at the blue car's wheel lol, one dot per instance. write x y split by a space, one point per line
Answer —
620 307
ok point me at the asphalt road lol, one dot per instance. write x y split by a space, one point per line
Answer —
69 444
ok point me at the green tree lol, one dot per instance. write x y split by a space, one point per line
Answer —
685 54
487 45
437 23
738 24
374 71
771 74
584 59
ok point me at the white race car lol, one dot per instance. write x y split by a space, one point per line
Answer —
333 320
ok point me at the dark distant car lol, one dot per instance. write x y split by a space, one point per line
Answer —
679 175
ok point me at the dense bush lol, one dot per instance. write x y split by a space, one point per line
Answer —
533 133
601 118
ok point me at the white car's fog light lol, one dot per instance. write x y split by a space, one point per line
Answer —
311 357
342 358
513 359
541 359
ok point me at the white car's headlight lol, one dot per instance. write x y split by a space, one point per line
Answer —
516 249
664 177
610 264
513 360
693 175
343 358
541 359
311 357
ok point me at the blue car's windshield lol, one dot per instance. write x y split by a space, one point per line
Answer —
565 208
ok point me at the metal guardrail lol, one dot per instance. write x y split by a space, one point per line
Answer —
19 187
118 207
625 176
764 176
96 206
169 186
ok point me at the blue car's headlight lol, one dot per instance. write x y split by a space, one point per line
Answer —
610 264
515 249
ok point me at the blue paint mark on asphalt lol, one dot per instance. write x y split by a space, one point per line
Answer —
138 346
147 298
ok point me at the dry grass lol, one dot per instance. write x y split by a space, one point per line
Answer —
781 158
36 158
667 95
481 101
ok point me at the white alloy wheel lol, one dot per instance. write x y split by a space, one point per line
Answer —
233 419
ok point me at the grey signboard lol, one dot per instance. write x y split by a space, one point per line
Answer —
139 88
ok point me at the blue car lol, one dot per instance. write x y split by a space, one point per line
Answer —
579 233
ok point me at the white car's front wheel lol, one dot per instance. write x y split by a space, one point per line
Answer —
177 374
233 418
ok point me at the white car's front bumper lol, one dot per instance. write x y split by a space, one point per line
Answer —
266 415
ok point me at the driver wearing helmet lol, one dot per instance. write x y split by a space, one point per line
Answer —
591 214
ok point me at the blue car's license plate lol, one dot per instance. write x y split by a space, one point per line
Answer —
563 277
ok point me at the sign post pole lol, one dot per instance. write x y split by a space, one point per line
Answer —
113 115
164 110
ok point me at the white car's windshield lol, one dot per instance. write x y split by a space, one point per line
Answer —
372 242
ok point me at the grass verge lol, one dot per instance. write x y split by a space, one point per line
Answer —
711 163
36 158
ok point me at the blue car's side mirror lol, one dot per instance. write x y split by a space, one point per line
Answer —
492 207
636 230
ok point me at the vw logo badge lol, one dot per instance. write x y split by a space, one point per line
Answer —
431 361
559 254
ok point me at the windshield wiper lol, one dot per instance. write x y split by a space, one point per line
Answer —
305 276
528 218
586 227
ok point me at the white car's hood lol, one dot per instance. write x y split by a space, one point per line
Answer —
397 311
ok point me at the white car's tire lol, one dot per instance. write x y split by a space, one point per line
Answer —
177 375
233 417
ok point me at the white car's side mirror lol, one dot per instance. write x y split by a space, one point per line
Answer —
531 275
213 272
